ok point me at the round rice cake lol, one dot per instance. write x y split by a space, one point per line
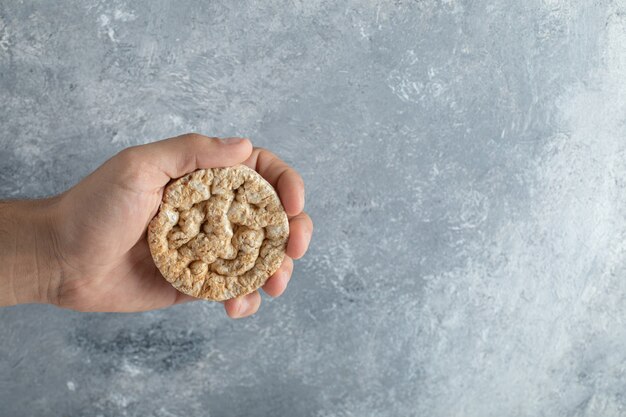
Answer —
219 233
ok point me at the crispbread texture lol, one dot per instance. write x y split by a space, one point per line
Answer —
219 233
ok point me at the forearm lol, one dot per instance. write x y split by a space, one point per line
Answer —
29 270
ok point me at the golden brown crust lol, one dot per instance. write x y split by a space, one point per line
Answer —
219 233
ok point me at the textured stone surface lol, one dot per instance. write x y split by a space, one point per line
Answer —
465 163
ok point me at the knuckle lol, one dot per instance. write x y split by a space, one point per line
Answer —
197 141
130 154
196 137
131 165
191 135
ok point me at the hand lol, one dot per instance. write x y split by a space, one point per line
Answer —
98 227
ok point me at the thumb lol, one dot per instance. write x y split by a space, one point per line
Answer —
175 157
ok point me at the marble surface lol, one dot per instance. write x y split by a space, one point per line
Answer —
465 164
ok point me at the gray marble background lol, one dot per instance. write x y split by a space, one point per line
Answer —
466 168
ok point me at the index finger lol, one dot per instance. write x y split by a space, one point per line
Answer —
287 182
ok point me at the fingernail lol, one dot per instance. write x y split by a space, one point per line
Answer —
232 141
243 306
284 276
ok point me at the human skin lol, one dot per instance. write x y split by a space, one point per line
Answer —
86 248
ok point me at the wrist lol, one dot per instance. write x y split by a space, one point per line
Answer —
29 270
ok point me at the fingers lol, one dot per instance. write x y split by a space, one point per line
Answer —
249 304
300 232
175 157
243 306
277 283
287 182
290 188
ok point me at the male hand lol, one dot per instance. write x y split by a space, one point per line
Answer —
96 231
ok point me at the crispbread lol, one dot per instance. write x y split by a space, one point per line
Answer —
219 233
